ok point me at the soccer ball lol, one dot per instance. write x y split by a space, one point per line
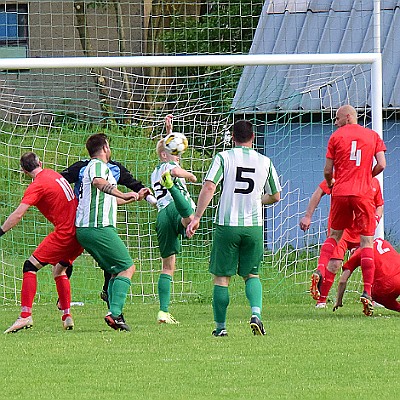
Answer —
175 143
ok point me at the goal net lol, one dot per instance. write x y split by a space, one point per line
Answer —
52 111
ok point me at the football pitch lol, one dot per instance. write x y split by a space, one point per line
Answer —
306 354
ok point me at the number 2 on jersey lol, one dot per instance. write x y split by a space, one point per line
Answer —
380 248
355 155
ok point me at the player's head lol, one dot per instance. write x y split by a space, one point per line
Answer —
345 115
30 161
98 143
243 131
163 155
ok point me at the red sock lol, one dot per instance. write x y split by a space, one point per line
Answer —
326 254
326 286
64 293
367 268
28 291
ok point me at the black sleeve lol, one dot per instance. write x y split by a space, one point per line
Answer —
71 173
127 179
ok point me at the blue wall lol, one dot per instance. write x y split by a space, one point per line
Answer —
298 153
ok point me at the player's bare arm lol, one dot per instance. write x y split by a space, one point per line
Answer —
270 198
205 196
106 187
341 288
328 172
305 222
15 217
380 163
179 172
168 123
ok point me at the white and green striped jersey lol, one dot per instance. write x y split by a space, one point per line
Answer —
162 195
96 208
245 175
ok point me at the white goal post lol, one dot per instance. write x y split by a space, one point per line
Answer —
28 126
374 59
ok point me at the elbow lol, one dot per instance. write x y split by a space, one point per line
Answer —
276 197
271 198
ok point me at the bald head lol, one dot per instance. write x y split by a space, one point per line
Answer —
346 115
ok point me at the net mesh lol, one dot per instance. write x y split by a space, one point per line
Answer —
52 112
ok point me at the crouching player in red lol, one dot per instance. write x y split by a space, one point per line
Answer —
386 286
322 279
55 199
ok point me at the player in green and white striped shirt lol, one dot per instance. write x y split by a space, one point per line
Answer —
96 219
248 180
175 211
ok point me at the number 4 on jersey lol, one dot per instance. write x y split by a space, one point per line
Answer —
355 155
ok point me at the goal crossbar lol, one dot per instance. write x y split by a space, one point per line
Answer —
188 60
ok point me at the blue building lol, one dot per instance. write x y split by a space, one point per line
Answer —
293 106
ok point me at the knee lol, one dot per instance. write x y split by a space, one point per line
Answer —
334 265
29 267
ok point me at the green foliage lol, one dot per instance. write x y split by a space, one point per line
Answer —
225 28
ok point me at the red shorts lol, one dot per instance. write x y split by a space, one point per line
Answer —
346 208
57 248
342 247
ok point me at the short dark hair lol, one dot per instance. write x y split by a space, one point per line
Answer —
95 143
29 161
242 131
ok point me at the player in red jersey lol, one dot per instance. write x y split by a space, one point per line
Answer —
350 239
351 152
55 199
386 286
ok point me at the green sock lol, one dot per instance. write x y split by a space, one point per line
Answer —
182 204
120 289
220 303
109 289
254 295
164 291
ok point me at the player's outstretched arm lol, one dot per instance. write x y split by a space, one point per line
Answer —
168 123
14 217
341 288
71 174
305 222
106 187
205 196
179 172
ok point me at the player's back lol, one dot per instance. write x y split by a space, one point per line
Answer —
53 196
245 173
387 261
352 148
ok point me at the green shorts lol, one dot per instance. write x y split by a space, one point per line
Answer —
169 228
106 247
236 250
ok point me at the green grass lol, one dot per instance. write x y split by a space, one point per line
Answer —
306 354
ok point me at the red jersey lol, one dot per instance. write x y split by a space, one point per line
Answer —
54 198
352 149
387 261
352 234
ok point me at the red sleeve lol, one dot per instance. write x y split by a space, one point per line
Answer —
330 151
32 194
324 187
354 261
380 145
378 198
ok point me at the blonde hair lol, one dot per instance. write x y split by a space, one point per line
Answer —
160 147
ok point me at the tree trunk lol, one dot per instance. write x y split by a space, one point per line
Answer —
127 89
100 79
